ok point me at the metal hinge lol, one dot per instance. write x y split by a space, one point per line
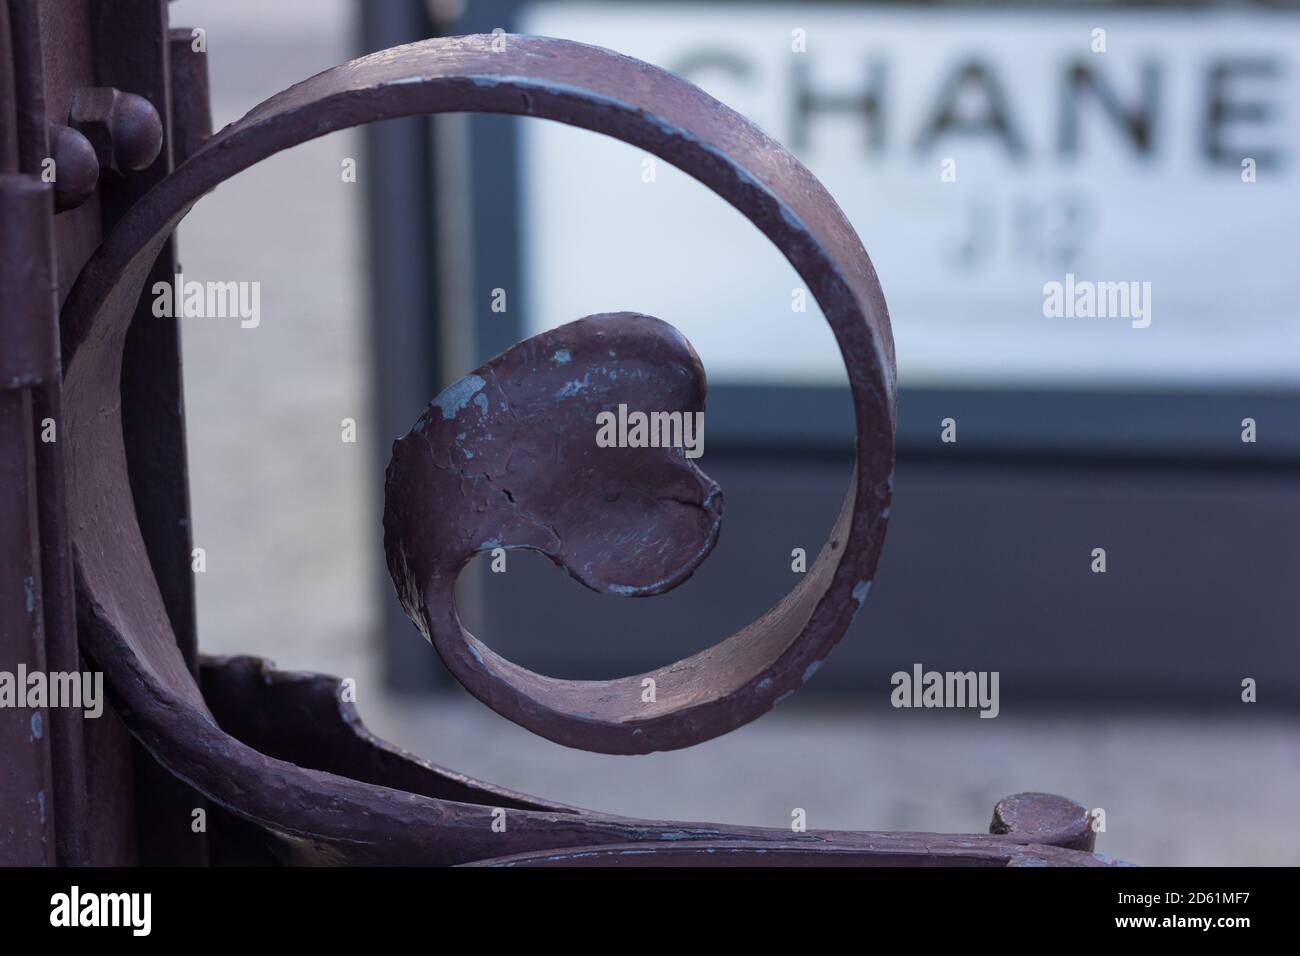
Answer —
29 346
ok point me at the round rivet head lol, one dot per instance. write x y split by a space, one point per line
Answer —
76 167
125 129
1044 818
137 133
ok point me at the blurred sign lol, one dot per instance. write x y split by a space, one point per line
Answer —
990 159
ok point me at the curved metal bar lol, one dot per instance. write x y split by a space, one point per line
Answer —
504 458
885 849
300 717
507 458
124 624
698 698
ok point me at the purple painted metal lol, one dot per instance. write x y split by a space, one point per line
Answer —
191 110
363 802
24 127
28 362
153 416
1046 819
301 718
885 849
31 353
507 458
49 51
27 836
124 128
77 164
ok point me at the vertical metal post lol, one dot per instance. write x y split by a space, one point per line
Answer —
133 53
27 359
25 150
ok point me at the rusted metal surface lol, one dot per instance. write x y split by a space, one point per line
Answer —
282 752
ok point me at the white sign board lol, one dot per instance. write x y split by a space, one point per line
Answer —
982 155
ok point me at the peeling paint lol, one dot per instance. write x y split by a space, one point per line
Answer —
572 388
860 591
675 835
457 395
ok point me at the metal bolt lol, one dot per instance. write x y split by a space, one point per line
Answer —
1044 818
124 128
76 167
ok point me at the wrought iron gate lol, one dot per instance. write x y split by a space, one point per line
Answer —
94 550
